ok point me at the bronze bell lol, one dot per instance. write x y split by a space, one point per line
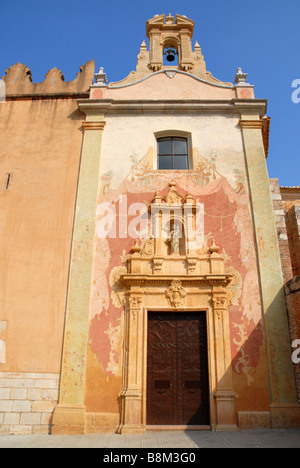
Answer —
170 54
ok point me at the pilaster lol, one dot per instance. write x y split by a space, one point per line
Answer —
281 380
131 396
69 415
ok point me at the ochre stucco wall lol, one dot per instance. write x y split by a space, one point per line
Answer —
40 144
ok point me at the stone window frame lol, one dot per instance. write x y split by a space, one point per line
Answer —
172 133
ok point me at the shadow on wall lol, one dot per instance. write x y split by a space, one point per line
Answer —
267 401
292 291
276 350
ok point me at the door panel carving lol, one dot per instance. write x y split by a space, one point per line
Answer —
177 370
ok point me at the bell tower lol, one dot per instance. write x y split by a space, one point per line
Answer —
172 34
163 33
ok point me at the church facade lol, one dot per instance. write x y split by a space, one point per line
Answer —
147 264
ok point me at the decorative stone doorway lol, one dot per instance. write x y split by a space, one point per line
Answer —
160 279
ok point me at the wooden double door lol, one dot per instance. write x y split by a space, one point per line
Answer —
177 369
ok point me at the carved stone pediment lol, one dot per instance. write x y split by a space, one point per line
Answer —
173 197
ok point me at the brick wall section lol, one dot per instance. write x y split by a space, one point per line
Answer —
283 240
27 401
292 290
293 227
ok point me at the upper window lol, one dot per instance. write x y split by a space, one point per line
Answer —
172 153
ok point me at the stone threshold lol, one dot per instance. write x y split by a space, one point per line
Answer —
177 428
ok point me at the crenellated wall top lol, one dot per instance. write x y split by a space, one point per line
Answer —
18 81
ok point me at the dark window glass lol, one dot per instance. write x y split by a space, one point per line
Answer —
179 146
165 162
180 162
172 153
165 146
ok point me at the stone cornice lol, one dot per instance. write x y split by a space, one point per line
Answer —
190 280
192 106
250 108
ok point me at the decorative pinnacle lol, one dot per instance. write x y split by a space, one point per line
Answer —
240 77
100 77
170 19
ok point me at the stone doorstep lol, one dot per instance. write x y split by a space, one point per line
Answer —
178 428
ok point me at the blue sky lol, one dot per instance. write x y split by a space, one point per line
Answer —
262 37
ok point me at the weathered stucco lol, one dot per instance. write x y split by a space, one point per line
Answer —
225 189
40 146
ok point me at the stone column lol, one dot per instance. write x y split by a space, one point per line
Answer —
156 51
69 415
185 59
132 394
281 379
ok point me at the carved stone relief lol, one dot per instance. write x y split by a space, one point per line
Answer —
176 294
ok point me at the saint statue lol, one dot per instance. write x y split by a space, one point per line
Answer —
175 239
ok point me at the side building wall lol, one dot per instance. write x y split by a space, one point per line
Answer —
283 234
292 289
39 164
286 202
291 204
40 148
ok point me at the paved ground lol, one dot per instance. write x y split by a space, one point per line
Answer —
283 438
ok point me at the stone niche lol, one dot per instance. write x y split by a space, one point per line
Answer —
168 272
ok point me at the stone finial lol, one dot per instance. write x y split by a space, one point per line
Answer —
214 249
136 248
170 19
240 77
189 199
143 54
198 52
100 77
2 90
